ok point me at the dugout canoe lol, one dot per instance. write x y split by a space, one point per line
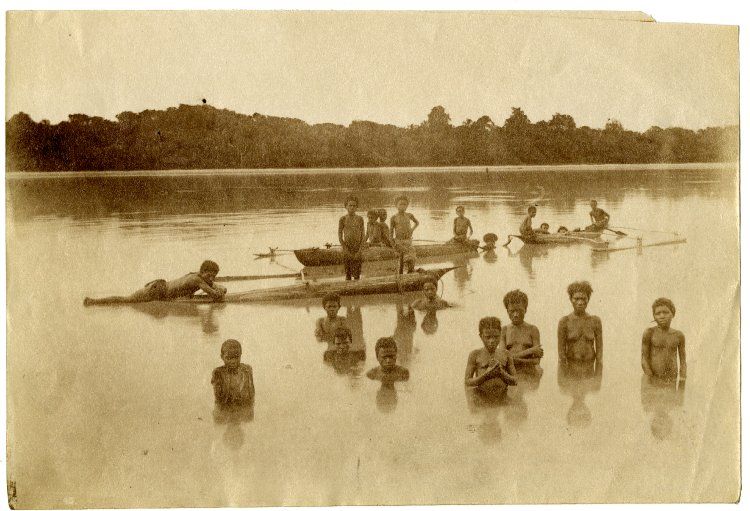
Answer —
560 238
335 255
318 289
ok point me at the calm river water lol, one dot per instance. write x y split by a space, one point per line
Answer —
113 407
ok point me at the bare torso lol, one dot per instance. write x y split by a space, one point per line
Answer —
580 336
663 352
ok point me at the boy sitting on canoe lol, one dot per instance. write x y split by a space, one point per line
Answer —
402 230
490 368
526 230
599 218
543 229
325 327
430 300
162 290
520 338
462 228
662 346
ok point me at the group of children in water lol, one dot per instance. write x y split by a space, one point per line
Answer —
507 349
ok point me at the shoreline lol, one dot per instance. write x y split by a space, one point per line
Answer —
583 167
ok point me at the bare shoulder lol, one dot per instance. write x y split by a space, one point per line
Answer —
473 354
649 332
678 333
563 320
596 320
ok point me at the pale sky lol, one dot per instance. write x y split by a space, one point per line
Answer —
384 67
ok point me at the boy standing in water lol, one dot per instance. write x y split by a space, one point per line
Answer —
490 368
162 290
520 338
462 228
233 382
402 230
430 301
325 327
351 238
388 372
662 345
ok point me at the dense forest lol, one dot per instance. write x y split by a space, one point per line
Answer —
204 137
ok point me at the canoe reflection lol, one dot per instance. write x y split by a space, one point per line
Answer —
205 313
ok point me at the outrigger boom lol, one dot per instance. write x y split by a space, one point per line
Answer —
639 245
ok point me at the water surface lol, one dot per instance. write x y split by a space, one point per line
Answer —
112 407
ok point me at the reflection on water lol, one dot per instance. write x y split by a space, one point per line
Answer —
660 399
578 379
87 386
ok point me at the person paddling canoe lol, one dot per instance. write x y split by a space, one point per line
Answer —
599 218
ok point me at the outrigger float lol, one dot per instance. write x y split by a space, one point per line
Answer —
317 289
334 255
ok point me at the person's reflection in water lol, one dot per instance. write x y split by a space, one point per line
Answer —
203 312
354 322
490 256
386 399
406 325
578 378
487 405
660 396
233 416
516 409
430 323
462 274
526 254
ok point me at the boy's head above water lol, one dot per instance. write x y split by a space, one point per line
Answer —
516 302
531 210
460 211
342 339
209 269
332 304
430 289
663 310
382 215
231 351
489 331
386 350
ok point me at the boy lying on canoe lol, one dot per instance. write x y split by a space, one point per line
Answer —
162 290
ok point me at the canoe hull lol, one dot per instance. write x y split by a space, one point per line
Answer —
318 289
335 255
562 239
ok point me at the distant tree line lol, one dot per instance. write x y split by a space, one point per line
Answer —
204 137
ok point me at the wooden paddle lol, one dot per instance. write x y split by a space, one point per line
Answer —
619 233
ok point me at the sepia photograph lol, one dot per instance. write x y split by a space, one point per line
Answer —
327 258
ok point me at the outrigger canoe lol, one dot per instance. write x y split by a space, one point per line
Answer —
317 289
335 255
560 238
